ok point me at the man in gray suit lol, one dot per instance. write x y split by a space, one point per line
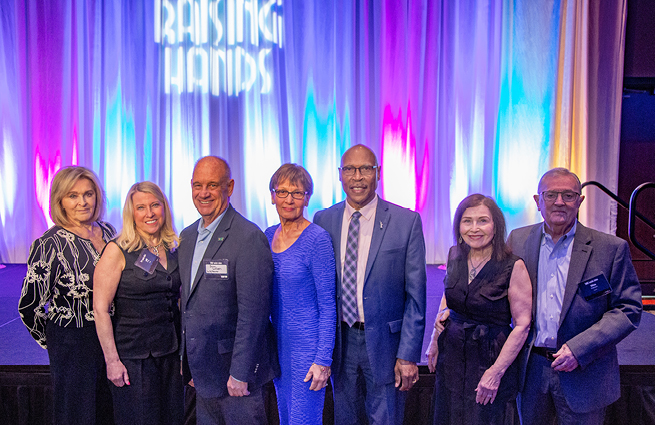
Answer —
586 299
380 256
227 274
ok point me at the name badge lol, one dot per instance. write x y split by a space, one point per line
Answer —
216 269
147 261
595 287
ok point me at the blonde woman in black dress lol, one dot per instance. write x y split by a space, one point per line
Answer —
138 277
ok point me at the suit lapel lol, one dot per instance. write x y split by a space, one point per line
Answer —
185 256
380 226
337 222
220 234
579 258
532 247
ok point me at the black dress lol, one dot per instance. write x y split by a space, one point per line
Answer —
146 324
474 334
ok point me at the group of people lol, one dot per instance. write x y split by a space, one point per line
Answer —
128 319
538 315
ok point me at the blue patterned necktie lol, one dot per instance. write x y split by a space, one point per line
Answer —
349 282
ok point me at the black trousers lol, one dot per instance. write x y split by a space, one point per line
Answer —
79 378
155 394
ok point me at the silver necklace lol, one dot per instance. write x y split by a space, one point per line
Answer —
474 269
155 249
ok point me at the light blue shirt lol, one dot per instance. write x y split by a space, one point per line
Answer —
554 261
204 237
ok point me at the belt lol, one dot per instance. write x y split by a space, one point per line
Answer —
356 325
544 352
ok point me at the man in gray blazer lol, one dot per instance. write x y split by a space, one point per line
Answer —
380 256
227 274
586 299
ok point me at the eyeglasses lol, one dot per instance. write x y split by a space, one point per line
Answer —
364 170
282 194
567 196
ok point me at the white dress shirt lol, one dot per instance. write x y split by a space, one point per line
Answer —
366 225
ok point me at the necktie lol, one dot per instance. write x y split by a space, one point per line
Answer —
349 281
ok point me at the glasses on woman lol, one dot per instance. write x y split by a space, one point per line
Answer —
284 193
364 170
567 196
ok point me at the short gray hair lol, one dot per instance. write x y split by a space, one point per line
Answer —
560 171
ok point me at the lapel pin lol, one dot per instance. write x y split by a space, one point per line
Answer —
380 225
221 239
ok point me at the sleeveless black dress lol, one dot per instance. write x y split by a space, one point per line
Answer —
474 334
146 325
147 318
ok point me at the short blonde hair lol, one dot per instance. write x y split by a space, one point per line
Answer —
63 182
129 239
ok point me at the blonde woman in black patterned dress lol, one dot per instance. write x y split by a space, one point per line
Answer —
56 303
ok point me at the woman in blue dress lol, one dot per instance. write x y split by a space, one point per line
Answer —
304 309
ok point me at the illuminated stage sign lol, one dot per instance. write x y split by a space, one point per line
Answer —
217 46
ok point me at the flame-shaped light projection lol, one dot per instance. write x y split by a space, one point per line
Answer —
45 171
324 140
399 171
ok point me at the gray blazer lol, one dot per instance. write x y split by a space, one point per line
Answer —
591 329
225 321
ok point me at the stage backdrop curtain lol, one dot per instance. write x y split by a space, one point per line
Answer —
455 97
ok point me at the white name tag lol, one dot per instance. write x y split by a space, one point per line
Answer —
216 269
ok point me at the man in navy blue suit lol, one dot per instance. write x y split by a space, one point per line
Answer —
227 275
380 256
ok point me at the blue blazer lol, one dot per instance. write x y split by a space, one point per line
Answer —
225 321
394 287
591 329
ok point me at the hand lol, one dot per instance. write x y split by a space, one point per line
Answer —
319 376
441 319
117 373
564 361
182 373
406 374
487 388
433 351
236 388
